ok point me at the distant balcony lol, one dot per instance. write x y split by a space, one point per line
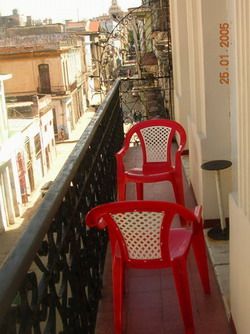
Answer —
52 282
58 90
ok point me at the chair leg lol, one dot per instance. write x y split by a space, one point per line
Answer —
121 191
179 192
139 191
118 284
179 196
183 292
198 244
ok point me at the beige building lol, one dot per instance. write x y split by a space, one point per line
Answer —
93 51
27 149
39 139
49 63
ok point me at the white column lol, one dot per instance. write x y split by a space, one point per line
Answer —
3 210
240 197
201 36
179 36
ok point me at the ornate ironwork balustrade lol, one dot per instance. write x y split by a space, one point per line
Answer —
51 282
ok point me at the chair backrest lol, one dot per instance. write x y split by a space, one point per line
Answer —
156 137
140 228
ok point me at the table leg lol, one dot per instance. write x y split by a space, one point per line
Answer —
218 189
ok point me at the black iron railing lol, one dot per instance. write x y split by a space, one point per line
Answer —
51 282
143 98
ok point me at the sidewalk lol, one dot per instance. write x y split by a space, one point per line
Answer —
9 238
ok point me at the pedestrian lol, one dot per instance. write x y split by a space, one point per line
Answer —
62 134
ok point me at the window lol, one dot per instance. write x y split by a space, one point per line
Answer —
54 122
37 144
44 77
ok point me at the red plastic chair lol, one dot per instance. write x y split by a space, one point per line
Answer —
141 236
156 138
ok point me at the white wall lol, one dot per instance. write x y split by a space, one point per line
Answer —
218 122
180 63
73 61
201 101
3 110
10 192
63 114
239 267
240 198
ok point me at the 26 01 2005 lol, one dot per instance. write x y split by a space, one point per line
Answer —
224 41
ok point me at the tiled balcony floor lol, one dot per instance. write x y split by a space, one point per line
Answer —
150 301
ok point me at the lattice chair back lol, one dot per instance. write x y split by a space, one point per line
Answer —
156 138
140 231
141 228
156 141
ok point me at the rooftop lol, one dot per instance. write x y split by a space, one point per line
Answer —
39 42
93 26
19 125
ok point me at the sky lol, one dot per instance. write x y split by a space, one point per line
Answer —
60 10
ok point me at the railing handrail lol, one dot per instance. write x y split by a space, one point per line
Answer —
20 259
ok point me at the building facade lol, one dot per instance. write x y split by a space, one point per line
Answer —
26 154
49 63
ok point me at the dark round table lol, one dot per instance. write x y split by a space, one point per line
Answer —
216 165
221 232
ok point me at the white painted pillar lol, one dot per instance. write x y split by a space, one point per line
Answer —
240 197
201 44
8 196
178 20
3 211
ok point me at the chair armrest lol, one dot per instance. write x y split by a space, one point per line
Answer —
194 218
119 161
120 154
178 155
100 224
198 223
180 148
197 213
